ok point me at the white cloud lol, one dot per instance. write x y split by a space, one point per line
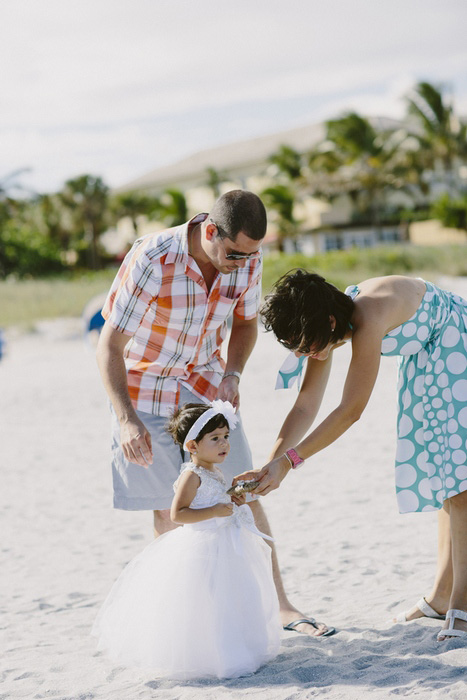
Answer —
118 87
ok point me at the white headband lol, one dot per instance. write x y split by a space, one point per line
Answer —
217 406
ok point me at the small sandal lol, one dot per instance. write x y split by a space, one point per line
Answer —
425 608
452 615
309 621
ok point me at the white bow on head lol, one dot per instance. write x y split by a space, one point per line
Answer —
217 406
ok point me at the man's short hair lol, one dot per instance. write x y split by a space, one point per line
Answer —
239 210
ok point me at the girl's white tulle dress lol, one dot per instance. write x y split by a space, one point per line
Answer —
198 601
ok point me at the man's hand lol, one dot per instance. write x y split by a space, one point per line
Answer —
136 443
228 391
269 476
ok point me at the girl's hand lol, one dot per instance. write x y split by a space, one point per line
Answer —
239 499
222 510
269 476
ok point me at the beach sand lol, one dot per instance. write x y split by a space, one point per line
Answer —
347 556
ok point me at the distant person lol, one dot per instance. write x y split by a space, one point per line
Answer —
166 319
201 600
427 327
92 319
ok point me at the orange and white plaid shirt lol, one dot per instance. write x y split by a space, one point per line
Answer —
160 299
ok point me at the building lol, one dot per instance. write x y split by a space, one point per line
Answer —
245 164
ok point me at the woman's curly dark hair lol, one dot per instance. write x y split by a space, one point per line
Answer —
298 311
183 418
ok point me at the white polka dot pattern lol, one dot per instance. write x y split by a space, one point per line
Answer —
431 456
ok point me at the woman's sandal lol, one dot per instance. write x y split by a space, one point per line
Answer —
425 608
452 615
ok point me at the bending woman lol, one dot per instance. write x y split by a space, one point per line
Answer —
425 325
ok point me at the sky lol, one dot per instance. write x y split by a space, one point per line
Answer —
117 88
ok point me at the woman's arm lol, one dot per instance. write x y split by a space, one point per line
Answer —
361 377
359 383
298 421
182 514
306 407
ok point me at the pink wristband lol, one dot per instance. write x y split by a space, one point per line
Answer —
294 459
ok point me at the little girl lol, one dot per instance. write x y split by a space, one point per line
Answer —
200 600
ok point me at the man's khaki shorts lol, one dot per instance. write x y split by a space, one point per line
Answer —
137 488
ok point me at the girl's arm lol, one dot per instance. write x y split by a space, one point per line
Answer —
182 514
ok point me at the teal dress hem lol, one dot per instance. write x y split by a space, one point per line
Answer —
431 455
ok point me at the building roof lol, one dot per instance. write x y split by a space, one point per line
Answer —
235 158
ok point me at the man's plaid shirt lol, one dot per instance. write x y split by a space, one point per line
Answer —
160 299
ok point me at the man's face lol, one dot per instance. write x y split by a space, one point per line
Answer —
220 249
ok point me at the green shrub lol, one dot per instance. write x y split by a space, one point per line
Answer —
25 252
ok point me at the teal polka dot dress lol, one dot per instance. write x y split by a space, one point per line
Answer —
431 458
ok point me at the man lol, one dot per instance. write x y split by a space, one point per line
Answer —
166 318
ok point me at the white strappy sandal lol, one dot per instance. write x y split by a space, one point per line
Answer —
452 615
425 608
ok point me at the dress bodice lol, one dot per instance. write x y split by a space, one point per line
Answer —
212 489
420 329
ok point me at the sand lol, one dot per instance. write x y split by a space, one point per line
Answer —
346 554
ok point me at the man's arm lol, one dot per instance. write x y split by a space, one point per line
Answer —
135 439
242 341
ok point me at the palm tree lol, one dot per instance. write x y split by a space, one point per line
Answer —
173 208
364 163
9 183
442 136
53 219
132 205
11 206
281 200
214 179
288 161
85 197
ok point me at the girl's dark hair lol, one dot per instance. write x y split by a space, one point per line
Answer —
183 418
298 311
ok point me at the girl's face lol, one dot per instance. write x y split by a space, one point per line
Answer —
213 447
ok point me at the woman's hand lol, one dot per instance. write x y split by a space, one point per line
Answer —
270 476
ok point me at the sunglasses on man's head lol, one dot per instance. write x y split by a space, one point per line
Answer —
235 255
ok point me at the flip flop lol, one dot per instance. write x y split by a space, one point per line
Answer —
425 608
309 621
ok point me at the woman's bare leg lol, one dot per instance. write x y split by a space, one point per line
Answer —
440 594
458 599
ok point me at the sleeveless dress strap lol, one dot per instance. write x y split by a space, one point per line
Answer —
352 291
187 467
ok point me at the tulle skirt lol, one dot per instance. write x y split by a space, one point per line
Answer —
197 602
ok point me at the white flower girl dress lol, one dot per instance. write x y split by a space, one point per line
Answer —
199 601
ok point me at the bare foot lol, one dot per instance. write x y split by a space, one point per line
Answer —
291 614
